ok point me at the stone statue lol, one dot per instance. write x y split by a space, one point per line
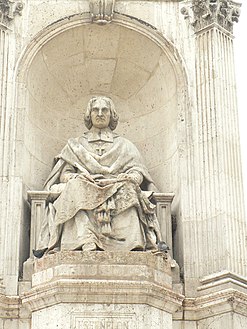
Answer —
98 182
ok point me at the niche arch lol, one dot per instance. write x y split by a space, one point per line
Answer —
70 61
73 59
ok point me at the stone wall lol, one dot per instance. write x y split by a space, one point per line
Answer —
169 68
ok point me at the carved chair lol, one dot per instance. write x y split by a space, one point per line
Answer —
39 199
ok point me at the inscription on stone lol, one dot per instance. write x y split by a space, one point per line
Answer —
103 321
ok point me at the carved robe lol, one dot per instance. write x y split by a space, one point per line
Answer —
113 213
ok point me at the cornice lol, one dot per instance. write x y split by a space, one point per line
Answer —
122 292
102 292
9 307
225 301
103 278
130 278
217 282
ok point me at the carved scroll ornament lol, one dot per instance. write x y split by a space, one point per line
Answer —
102 11
9 9
206 12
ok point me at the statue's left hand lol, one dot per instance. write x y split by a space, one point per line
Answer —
133 176
87 176
123 176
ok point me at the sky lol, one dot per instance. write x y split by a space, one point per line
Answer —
240 44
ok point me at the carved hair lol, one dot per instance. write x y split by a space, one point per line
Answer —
114 116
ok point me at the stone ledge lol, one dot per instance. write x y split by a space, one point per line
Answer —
100 272
103 257
102 292
103 277
127 278
9 307
222 281
98 266
229 300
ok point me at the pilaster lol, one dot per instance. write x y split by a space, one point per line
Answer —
9 184
3 185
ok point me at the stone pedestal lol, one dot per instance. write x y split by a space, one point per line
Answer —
102 290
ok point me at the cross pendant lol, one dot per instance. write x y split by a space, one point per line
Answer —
100 150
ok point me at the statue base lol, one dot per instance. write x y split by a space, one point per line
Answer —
102 290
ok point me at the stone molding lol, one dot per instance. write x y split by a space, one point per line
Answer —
220 281
222 275
9 307
101 11
103 258
8 10
102 292
203 13
229 300
103 277
76 20
67 291
126 278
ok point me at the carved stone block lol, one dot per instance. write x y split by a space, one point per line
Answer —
102 11
102 290
207 12
9 9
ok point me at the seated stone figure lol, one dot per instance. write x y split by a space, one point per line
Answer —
99 181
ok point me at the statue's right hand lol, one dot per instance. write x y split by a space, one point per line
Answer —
87 176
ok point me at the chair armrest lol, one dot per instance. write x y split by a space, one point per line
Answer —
163 203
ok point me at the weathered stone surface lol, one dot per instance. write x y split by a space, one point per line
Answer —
90 285
206 12
174 87
102 11
99 204
9 9
102 316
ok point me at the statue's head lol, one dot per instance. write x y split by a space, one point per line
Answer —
101 113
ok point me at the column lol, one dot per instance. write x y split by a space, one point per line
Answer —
214 221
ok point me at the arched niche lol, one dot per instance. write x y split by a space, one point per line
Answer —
71 60
112 60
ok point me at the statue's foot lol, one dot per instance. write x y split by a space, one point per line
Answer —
52 251
89 246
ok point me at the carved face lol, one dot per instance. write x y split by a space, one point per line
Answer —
100 114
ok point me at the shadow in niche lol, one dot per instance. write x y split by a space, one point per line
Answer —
107 60
24 235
